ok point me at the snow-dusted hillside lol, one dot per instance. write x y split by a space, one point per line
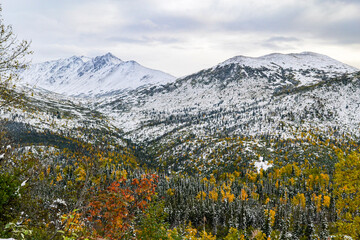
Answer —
201 121
240 96
197 118
243 96
48 119
83 76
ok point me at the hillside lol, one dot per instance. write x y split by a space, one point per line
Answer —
240 94
277 96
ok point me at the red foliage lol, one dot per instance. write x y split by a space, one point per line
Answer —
112 210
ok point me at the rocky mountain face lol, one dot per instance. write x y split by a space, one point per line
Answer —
86 77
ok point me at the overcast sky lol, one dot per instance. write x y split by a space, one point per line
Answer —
184 36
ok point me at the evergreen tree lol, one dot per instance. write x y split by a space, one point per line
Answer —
324 232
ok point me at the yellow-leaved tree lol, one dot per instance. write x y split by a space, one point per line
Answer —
347 194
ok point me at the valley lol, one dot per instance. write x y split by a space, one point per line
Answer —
251 145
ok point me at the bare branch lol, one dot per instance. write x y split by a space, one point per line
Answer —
12 59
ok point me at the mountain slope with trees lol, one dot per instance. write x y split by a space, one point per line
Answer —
244 150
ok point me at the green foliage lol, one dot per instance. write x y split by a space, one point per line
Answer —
9 198
152 224
234 234
19 231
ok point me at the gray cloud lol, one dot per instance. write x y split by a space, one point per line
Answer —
338 1
280 42
342 32
282 39
183 28
164 23
289 19
144 40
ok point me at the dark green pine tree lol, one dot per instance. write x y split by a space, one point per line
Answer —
243 222
324 230
310 231
267 227
332 211
299 223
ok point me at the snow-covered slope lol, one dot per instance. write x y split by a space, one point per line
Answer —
44 117
243 96
296 61
83 76
301 64
201 120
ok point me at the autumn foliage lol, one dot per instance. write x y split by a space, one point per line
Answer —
112 211
347 191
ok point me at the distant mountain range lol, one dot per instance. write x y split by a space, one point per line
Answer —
83 76
199 118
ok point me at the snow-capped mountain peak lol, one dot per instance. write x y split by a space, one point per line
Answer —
304 68
295 61
84 76
108 58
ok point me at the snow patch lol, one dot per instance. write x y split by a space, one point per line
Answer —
261 164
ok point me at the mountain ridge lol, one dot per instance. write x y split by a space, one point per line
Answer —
82 76
88 77
294 60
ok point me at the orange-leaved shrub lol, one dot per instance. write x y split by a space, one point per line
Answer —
112 211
